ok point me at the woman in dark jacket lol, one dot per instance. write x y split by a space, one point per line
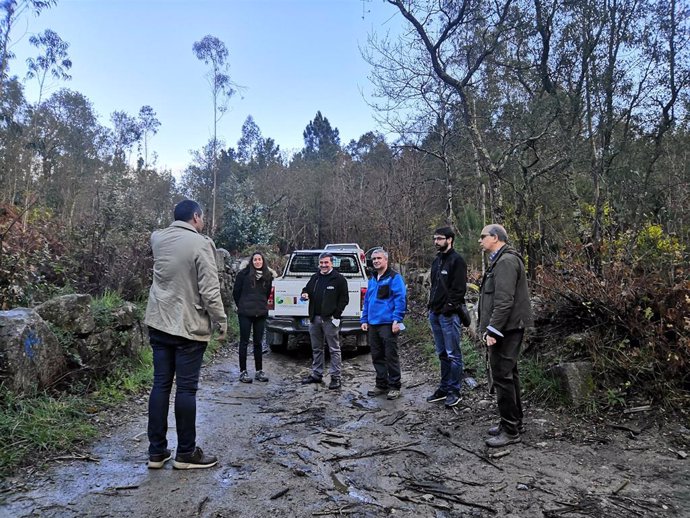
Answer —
251 292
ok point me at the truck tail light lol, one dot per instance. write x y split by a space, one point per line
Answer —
272 298
362 293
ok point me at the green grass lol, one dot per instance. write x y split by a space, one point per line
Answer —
537 384
103 307
38 427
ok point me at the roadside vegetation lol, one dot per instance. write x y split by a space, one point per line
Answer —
55 423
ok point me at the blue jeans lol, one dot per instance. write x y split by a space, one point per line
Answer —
447 332
180 358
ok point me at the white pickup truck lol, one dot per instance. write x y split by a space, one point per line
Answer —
288 314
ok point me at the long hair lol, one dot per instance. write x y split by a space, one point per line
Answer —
266 273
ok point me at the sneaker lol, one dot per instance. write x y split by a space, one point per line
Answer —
195 460
311 379
503 439
452 400
158 460
260 376
377 391
334 384
393 394
439 395
497 429
244 377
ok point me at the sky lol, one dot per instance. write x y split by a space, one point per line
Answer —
292 58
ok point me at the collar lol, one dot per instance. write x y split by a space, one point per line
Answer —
495 254
185 225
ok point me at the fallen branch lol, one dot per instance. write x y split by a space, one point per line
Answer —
478 455
621 487
75 457
280 493
200 507
422 502
382 451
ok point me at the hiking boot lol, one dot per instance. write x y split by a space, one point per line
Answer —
503 439
334 384
377 391
195 460
439 395
260 376
497 429
244 377
158 460
393 394
311 379
452 400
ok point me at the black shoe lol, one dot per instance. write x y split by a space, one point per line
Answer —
158 460
334 384
497 429
244 377
503 439
452 400
260 376
310 379
377 391
439 395
194 460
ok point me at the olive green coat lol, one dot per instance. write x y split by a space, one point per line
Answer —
504 297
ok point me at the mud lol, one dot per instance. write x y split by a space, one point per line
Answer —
291 450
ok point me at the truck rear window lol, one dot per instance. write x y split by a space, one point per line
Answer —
309 263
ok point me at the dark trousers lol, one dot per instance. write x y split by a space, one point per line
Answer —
384 355
503 357
180 358
256 326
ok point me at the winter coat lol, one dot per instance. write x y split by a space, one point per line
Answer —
184 299
448 283
386 299
330 292
251 295
504 296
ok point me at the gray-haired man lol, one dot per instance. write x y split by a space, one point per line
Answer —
327 294
504 312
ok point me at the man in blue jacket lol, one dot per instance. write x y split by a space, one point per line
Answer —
382 315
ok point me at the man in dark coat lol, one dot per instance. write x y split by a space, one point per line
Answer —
504 313
448 285
327 294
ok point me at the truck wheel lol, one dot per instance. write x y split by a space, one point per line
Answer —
278 342
362 343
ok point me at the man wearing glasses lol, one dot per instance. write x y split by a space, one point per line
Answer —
504 312
448 285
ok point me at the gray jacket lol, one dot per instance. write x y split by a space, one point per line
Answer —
184 299
504 297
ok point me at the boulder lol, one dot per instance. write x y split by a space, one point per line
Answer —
71 313
124 316
575 379
30 355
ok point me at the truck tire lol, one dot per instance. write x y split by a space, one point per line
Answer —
278 342
362 343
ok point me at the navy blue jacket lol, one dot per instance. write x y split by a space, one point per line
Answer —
386 299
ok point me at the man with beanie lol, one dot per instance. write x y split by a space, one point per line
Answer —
327 294
504 312
448 285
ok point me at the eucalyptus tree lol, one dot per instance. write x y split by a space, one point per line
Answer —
214 53
126 132
54 60
13 10
148 124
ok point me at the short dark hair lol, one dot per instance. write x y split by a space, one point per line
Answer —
185 210
445 232
323 255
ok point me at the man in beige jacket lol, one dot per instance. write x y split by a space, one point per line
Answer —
184 308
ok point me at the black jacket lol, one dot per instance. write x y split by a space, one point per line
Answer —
448 283
328 295
250 297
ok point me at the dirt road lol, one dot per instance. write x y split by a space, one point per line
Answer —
291 450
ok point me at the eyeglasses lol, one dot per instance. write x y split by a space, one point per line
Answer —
484 235
440 238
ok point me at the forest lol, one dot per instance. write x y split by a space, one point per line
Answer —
567 122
